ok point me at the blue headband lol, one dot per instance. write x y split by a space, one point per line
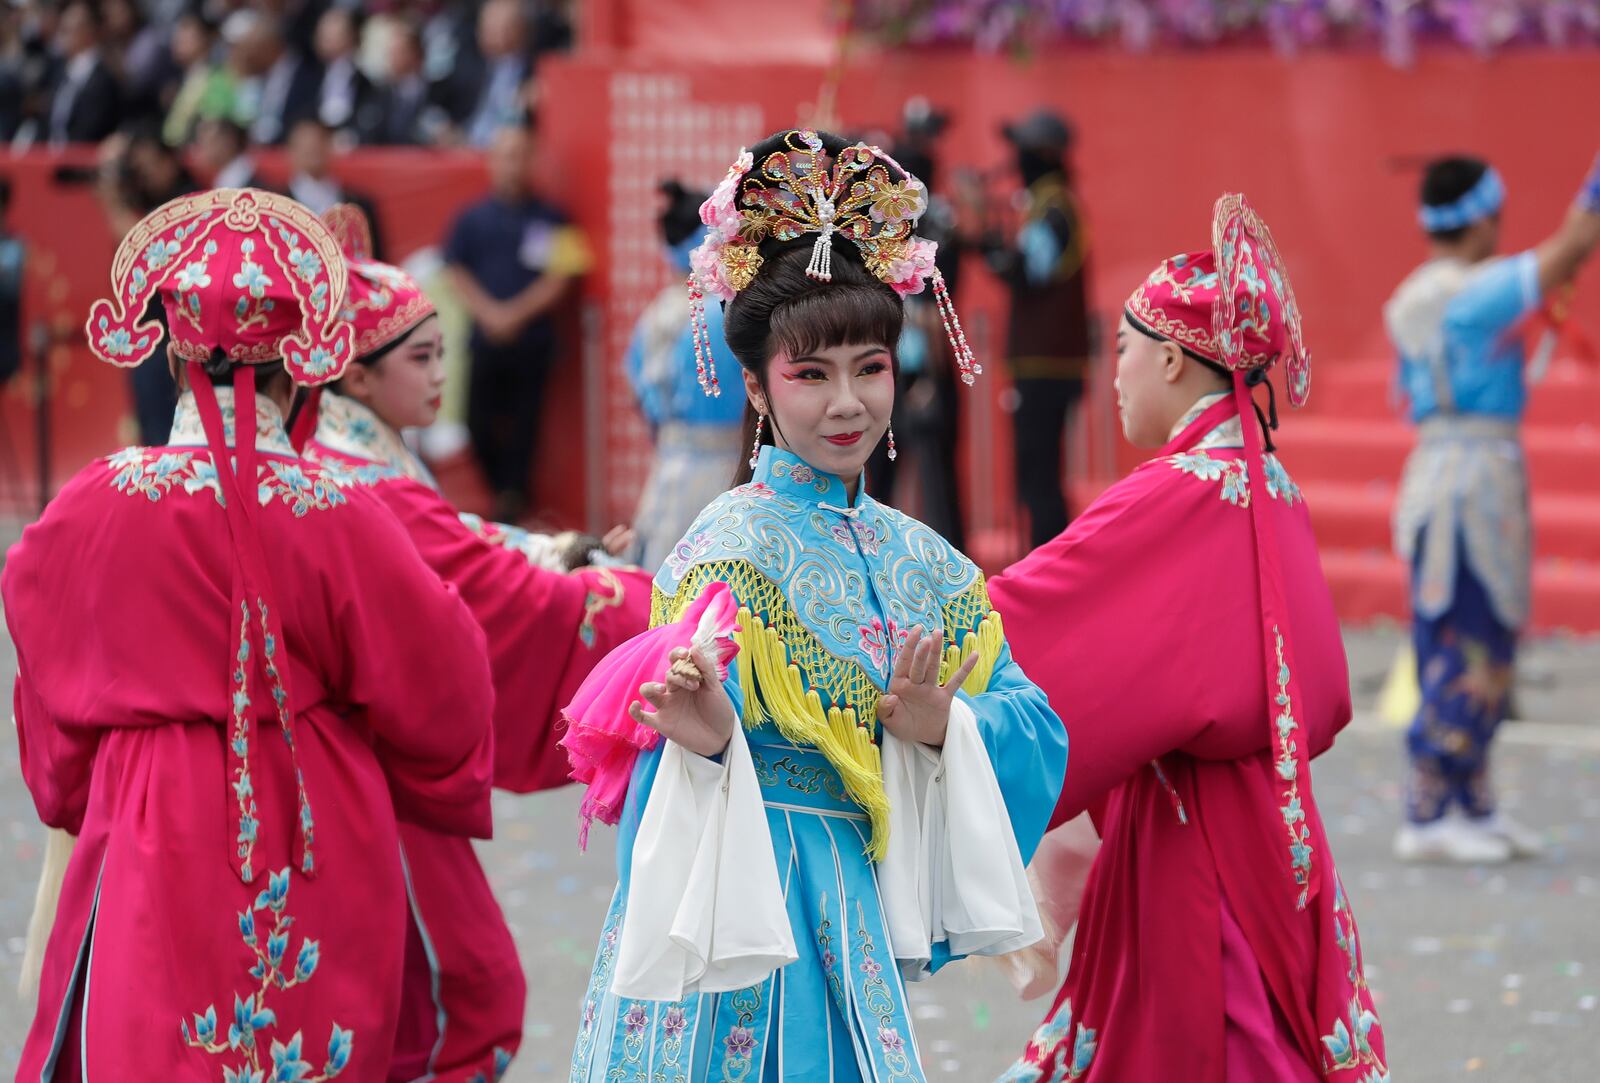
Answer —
1484 199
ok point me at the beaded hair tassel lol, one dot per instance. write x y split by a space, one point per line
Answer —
705 363
966 362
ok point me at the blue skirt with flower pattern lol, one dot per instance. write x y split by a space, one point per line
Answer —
836 1015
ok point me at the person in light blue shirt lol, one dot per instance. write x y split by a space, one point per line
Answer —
696 435
1461 517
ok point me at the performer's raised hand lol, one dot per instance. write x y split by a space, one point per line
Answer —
917 706
691 707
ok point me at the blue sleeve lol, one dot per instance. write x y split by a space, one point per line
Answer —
1041 252
1495 300
633 365
1027 745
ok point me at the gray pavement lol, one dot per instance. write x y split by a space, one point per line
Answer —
1480 974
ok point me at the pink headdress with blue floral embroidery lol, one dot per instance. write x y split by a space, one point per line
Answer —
384 303
860 194
250 273
1232 305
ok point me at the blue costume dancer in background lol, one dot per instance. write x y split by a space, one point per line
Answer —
1461 518
696 435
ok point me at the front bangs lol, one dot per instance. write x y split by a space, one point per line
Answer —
835 315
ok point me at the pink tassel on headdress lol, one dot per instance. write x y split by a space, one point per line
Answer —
966 362
602 740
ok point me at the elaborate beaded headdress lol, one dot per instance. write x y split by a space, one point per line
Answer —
860 194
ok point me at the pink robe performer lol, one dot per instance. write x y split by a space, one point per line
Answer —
1184 630
221 693
464 994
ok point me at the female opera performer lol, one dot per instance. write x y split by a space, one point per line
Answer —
1184 630
854 804
222 693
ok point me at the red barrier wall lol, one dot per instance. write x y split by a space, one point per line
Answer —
1324 145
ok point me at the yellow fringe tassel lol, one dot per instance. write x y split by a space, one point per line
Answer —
775 692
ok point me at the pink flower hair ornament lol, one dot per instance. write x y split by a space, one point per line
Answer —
859 193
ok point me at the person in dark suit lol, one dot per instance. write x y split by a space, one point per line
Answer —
346 101
1050 333
285 85
493 87
409 111
312 182
84 97
512 258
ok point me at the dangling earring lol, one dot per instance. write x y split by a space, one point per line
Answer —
893 455
755 448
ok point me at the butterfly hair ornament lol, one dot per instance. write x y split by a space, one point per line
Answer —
858 193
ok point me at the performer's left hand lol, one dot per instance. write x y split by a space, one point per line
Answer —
917 706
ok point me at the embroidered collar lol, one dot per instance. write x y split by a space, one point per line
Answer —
788 474
856 574
1227 434
350 428
187 430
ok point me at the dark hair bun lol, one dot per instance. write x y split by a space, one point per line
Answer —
680 218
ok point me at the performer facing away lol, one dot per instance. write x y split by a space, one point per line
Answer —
462 1007
696 435
1183 628
853 804
222 693
1461 518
